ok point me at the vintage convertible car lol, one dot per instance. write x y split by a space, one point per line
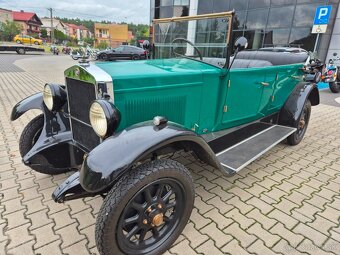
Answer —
114 122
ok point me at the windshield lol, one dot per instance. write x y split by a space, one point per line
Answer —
199 37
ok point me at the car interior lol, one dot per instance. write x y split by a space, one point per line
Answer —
253 59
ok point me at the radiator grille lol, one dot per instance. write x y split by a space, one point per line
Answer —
80 96
84 135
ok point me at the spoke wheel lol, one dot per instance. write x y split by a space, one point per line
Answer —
301 126
151 216
146 211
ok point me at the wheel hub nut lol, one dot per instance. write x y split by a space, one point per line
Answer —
158 219
145 221
159 206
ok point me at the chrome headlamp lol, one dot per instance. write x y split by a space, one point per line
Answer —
54 97
104 118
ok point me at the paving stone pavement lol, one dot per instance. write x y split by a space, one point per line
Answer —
287 202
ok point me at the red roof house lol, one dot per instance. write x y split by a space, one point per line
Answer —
29 21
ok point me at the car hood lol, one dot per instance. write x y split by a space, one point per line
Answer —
158 71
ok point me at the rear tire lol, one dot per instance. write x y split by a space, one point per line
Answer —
29 137
301 125
334 87
18 41
146 210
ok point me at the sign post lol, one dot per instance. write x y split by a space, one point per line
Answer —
321 20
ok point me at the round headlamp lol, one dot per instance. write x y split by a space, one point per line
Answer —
54 97
104 118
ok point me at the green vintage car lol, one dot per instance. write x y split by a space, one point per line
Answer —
116 123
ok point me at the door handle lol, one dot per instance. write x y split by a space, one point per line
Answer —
265 83
296 77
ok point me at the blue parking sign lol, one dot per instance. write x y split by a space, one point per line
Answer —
322 15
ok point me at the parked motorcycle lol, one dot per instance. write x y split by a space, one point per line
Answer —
331 74
313 69
67 50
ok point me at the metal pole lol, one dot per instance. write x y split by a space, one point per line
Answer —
52 28
316 42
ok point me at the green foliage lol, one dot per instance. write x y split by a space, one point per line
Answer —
9 29
43 33
102 45
89 41
140 31
59 36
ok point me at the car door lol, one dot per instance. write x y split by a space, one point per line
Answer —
25 39
118 53
287 78
244 94
270 82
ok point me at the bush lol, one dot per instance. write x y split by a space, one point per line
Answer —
9 29
102 45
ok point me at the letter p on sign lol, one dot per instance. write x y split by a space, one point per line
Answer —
322 14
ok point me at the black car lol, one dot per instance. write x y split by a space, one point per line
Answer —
123 52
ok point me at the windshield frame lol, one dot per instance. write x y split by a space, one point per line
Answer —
229 15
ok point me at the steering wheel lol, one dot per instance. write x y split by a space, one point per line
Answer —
187 41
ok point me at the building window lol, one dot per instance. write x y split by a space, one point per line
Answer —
221 5
257 19
302 37
166 12
239 20
280 17
276 37
166 2
181 11
258 4
181 2
282 2
304 15
239 4
204 6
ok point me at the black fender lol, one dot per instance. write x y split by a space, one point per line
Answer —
291 111
106 163
54 147
32 102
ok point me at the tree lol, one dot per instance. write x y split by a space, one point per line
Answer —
43 32
59 36
9 29
89 41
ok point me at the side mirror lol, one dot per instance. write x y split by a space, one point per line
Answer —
241 43
335 54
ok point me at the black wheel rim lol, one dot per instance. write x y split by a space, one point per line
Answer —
151 216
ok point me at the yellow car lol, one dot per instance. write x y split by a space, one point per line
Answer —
27 39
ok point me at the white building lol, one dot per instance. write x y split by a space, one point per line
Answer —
57 24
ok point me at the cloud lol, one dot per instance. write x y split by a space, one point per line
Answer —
113 10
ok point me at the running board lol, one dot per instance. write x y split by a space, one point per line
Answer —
238 156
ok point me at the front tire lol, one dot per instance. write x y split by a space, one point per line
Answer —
28 138
334 86
301 125
104 57
146 211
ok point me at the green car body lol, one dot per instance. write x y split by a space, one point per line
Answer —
199 96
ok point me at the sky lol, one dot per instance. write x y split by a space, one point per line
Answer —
136 11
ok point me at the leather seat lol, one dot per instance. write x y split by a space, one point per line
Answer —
276 58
